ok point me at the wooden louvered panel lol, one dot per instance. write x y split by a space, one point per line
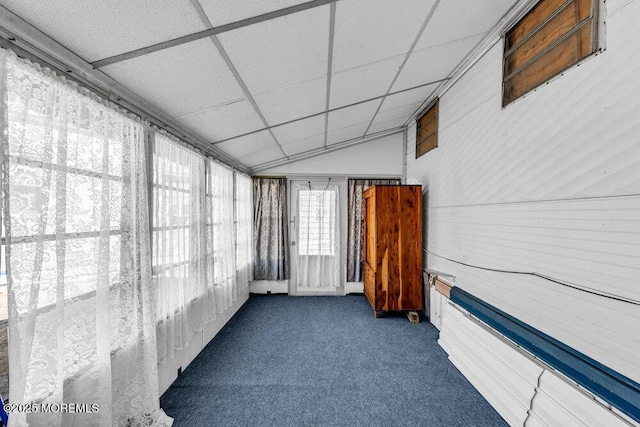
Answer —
427 131
553 36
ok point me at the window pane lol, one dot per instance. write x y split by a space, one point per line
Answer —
317 231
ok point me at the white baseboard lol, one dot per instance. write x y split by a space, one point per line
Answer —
270 286
355 287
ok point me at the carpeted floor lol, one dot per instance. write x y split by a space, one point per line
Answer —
316 361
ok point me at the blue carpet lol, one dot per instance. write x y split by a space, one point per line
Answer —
316 361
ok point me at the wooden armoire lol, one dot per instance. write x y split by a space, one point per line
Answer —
393 248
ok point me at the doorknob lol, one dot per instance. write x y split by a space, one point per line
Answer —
293 243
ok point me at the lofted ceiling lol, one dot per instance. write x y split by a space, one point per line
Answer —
268 81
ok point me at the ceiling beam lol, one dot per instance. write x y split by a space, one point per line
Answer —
210 32
332 29
329 111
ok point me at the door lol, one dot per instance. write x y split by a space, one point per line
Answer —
316 267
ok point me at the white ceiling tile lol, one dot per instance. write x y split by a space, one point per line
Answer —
396 113
302 129
262 156
100 29
224 122
364 82
303 145
293 102
361 113
456 19
386 125
222 12
371 30
346 133
179 80
248 144
409 97
434 63
281 52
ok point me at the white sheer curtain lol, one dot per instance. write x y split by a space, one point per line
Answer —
318 236
220 235
179 264
244 240
74 203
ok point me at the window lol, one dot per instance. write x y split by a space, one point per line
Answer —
317 234
71 234
427 130
554 35
178 175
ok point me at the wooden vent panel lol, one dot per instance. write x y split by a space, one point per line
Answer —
554 35
427 131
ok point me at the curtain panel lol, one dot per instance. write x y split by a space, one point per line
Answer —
355 224
271 229
179 261
318 236
220 236
75 210
244 239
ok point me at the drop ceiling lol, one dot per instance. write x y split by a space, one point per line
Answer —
268 81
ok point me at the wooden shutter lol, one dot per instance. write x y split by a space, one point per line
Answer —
427 130
554 35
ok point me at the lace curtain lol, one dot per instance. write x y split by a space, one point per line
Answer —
318 230
179 263
270 229
220 235
355 224
244 216
81 301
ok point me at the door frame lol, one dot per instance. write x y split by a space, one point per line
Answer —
341 181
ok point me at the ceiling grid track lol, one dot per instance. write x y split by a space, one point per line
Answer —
223 53
331 110
478 52
211 31
332 28
406 58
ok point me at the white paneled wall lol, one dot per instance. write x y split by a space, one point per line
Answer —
499 371
522 390
379 157
549 184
